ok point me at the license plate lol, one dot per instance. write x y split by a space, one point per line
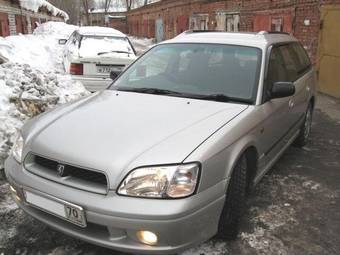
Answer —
63 209
108 69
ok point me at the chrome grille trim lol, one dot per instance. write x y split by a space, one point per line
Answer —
86 179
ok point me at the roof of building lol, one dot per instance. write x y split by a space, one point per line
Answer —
102 31
110 10
35 5
255 39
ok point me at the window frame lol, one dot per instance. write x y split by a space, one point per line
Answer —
269 50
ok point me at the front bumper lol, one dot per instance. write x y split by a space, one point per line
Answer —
93 84
112 220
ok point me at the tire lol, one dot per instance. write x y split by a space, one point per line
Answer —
234 205
305 129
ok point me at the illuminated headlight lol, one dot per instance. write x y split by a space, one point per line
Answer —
172 181
17 148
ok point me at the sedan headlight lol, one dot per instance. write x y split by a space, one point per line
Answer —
173 181
17 148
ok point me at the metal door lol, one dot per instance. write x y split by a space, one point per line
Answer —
4 27
182 24
329 51
159 30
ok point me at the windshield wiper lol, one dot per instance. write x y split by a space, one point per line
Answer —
211 97
223 98
113 51
150 91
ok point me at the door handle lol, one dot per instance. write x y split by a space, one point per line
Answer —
291 103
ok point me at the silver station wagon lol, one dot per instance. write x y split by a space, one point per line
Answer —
164 158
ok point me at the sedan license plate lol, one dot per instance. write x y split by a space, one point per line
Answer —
63 209
108 69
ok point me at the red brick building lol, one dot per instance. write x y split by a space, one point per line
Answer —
316 23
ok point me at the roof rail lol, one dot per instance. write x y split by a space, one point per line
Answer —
201 31
272 32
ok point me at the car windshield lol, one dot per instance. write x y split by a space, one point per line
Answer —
207 71
94 45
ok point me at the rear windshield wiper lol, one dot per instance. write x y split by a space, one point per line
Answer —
223 98
150 91
113 51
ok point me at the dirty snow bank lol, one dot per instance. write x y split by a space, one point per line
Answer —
34 5
33 79
26 92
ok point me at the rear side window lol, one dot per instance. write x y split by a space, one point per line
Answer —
291 61
303 62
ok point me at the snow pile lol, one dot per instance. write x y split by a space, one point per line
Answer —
55 29
33 79
34 5
40 50
141 44
26 92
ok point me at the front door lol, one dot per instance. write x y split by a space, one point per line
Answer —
275 112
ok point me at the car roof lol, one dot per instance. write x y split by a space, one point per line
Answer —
101 31
254 39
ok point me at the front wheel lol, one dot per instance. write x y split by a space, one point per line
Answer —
235 202
305 129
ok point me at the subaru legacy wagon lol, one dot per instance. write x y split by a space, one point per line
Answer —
164 158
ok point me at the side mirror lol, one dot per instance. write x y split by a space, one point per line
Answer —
282 89
62 41
113 75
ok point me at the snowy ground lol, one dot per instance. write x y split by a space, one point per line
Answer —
33 80
294 210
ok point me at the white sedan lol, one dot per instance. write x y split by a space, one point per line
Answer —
92 53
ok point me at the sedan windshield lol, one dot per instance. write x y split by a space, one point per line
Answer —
205 71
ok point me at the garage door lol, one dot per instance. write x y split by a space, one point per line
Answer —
4 27
329 51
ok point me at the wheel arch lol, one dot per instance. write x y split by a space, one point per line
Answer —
251 154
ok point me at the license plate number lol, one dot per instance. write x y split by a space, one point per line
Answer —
75 215
63 209
108 69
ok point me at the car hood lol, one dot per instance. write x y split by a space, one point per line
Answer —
118 131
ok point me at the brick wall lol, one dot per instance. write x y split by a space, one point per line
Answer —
300 17
119 24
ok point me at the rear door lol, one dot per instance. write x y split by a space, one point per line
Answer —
300 73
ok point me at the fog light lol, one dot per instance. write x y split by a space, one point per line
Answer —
17 198
147 237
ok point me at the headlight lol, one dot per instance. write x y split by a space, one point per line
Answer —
172 181
17 148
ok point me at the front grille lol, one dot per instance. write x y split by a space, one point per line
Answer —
74 176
